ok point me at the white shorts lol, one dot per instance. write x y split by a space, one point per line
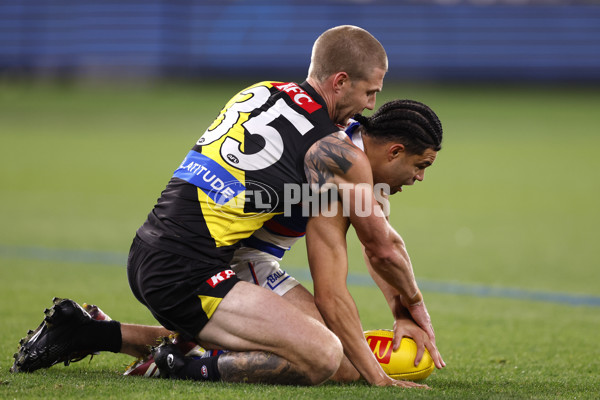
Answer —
263 269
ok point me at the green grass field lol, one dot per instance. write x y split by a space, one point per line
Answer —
502 233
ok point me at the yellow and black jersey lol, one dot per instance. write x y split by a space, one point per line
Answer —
235 177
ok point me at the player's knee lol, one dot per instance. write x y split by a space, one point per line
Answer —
327 360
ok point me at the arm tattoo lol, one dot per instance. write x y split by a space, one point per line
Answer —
331 156
259 367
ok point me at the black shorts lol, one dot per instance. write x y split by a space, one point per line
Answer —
182 293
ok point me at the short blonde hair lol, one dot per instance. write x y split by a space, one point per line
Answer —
349 49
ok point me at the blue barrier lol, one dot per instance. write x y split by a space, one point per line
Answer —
223 38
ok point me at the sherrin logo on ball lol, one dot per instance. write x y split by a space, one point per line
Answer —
399 364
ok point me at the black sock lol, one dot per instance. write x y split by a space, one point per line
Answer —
99 336
201 369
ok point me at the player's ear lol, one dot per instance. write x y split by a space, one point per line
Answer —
340 80
396 150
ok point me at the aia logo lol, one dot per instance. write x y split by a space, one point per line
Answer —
220 277
382 348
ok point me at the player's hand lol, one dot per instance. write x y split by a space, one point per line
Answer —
404 384
421 317
406 327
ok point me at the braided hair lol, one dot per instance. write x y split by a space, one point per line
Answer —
410 122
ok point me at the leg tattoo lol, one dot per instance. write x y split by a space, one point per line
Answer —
259 367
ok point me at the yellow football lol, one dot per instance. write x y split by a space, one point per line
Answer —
399 364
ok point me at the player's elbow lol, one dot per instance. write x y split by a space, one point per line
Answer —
385 251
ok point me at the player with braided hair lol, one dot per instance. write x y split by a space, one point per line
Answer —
399 142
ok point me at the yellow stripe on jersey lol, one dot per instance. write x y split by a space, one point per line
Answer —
209 304
228 223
